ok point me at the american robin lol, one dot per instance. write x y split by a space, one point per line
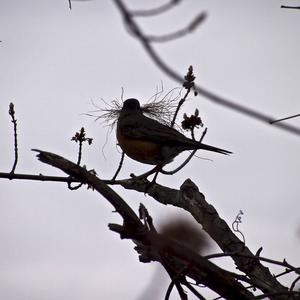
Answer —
150 142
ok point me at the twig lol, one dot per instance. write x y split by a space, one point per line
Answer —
80 137
119 167
294 283
76 187
279 120
169 289
176 280
257 115
155 11
235 225
284 263
39 177
187 160
192 289
180 33
188 84
70 4
287 293
292 7
14 121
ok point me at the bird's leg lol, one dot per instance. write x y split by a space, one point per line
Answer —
157 169
145 175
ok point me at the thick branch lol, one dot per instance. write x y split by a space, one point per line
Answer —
150 244
190 199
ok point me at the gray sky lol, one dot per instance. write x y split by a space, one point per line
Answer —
55 243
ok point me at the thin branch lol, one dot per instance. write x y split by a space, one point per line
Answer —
286 118
294 283
236 223
155 11
39 177
189 83
119 167
169 289
89 178
291 7
80 137
192 289
186 161
284 263
176 281
11 112
257 115
199 19
276 294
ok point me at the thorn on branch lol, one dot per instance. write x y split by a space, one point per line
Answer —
11 112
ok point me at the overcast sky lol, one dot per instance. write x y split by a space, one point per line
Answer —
55 243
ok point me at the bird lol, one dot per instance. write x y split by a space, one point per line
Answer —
150 142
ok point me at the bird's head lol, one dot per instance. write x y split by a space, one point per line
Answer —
131 104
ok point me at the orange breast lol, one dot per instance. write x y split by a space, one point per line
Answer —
140 150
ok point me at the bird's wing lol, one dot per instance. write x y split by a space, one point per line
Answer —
151 130
144 128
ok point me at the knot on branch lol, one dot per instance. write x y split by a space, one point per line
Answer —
189 189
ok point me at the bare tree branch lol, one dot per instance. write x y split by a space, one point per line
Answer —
197 21
286 118
150 245
190 199
137 32
156 11
291 7
12 112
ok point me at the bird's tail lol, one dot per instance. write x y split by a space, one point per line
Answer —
214 149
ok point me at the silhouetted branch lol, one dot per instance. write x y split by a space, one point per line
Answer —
137 32
119 167
39 177
155 11
190 199
14 121
80 137
283 263
180 33
187 159
286 118
188 84
150 245
291 7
